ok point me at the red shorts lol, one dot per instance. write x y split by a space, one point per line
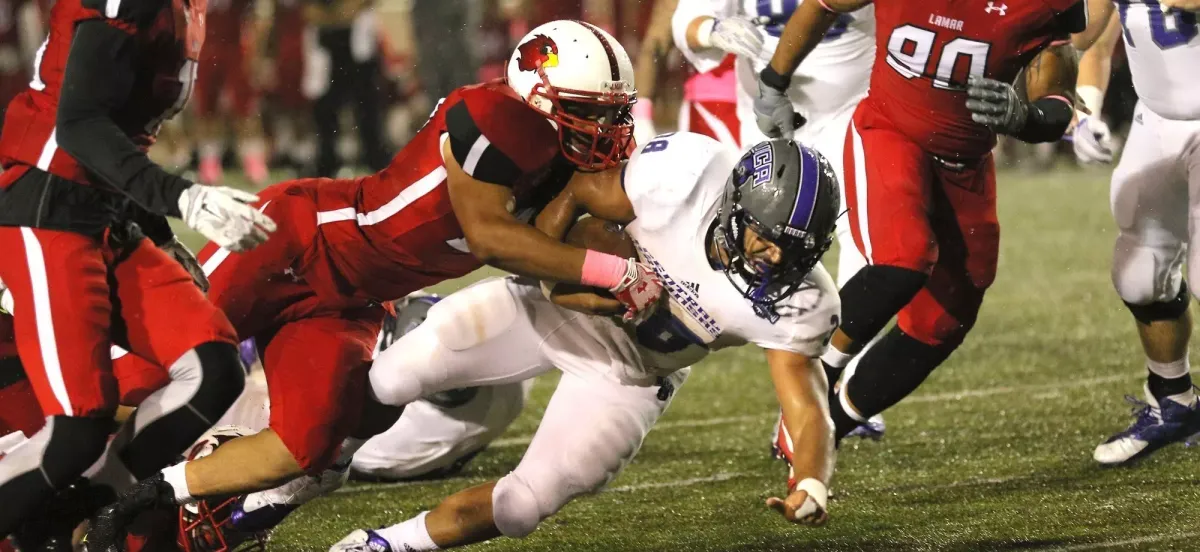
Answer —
717 120
316 345
74 296
224 75
909 209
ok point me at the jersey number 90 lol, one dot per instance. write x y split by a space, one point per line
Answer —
910 48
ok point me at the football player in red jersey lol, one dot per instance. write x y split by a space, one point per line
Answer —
920 180
82 275
460 195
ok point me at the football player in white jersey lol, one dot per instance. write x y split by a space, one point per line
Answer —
1155 194
737 241
824 90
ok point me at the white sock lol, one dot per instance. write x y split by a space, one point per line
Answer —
836 358
410 536
210 150
349 446
176 477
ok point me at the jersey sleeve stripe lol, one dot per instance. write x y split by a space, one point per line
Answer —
477 149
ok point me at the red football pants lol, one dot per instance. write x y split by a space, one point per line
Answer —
74 296
222 74
316 349
911 210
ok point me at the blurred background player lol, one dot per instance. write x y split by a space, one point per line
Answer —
345 70
21 32
226 103
1154 197
289 44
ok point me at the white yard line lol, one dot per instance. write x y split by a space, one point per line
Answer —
723 476
1033 388
1127 542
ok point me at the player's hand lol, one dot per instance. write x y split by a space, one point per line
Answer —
800 508
1093 141
774 113
996 105
639 290
182 255
225 216
739 36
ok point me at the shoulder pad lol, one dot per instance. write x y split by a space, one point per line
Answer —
138 12
496 137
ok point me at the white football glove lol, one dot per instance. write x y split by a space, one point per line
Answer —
639 290
1093 140
225 216
739 36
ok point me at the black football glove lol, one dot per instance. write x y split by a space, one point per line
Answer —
996 105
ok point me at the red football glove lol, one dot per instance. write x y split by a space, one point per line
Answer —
639 290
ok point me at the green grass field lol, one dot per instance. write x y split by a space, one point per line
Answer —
992 453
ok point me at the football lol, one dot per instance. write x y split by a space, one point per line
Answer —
601 235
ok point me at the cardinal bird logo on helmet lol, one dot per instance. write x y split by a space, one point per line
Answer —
539 51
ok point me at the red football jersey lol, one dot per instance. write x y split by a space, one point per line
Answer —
168 45
925 51
395 232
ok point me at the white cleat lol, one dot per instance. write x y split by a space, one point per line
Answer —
362 540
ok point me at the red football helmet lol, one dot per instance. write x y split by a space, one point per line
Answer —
581 78
205 526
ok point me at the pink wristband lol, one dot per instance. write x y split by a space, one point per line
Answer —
826 6
643 109
602 270
1064 99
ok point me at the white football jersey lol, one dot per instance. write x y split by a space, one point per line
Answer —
1164 57
675 184
832 77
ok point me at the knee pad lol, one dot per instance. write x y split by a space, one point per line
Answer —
515 508
874 295
1161 310
927 320
1143 275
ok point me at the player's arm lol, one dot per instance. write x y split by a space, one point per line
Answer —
498 239
1099 16
597 193
1095 66
805 29
1049 109
97 80
802 390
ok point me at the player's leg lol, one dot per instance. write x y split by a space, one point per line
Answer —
1150 200
61 309
437 436
210 123
248 122
199 352
592 428
932 325
888 197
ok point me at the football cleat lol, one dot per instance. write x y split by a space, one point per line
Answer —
872 429
362 541
1154 426
266 509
